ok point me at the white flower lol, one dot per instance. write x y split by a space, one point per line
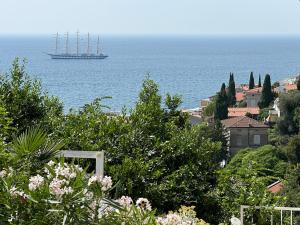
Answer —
93 179
3 173
35 182
143 203
56 187
125 201
51 163
106 183
15 193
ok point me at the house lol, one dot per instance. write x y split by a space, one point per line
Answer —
253 96
195 115
236 112
243 132
274 113
275 187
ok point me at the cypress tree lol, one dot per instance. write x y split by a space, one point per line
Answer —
251 81
267 94
259 81
298 84
231 91
221 110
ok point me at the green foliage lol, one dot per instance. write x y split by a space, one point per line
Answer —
251 81
289 122
298 84
244 180
292 149
231 91
221 110
23 99
31 150
267 95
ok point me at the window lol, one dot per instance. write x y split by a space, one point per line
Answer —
256 139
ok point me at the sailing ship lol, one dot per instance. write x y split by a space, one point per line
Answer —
77 55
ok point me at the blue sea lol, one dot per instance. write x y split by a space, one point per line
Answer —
193 67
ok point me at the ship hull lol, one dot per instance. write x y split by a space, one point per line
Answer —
74 56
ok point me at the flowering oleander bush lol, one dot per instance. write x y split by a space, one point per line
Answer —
65 194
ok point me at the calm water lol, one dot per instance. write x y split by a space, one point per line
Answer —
193 67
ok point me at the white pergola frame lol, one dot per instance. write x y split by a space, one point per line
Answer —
98 155
281 209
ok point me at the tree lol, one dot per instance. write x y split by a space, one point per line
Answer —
221 111
245 178
23 99
259 81
298 84
267 94
251 81
231 91
289 122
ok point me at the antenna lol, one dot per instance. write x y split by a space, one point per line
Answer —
67 43
56 43
88 46
98 46
77 42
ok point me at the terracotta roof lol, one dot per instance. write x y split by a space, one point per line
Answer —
254 90
275 187
243 122
235 112
239 96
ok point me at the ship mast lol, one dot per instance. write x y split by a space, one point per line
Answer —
98 46
56 43
67 43
77 42
88 46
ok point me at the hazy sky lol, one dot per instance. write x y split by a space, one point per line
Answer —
186 17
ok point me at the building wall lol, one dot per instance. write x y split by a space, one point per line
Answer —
240 138
253 99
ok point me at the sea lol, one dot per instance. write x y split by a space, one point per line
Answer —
191 66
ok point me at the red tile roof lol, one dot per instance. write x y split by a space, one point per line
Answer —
243 122
235 112
254 90
275 187
239 96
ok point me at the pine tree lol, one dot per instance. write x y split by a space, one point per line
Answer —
251 81
231 91
221 110
267 94
259 81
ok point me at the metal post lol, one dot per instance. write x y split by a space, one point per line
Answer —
242 215
291 217
100 164
272 219
280 217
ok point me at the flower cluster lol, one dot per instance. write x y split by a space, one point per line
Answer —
125 201
143 203
184 216
14 192
105 182
35 182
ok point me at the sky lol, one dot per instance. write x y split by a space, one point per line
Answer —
151 17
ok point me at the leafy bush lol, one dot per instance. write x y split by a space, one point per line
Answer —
23 99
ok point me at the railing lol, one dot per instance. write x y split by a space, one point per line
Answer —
281 209
99 156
